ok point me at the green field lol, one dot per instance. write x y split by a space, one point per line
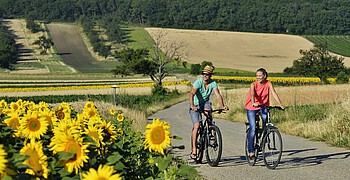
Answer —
336 44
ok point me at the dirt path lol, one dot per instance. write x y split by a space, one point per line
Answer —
301 159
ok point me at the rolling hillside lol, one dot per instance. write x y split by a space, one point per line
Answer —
237 50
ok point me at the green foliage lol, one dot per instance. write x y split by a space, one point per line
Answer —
206 63
32 26
342 78
159 90
292 17
134 61
138 102
8 49
44 44
339 44
317 62
195 69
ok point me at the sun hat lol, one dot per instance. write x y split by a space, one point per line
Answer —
208 69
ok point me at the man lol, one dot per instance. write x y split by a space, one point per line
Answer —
199 99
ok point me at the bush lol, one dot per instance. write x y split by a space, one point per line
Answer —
159 90
342 78
195 69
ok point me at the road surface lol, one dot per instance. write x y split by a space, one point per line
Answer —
301 159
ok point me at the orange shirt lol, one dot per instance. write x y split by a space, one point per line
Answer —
261 96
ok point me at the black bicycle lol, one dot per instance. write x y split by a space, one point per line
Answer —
209 139
267 141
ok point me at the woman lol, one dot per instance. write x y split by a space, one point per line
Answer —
257 100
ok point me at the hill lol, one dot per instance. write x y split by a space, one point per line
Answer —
238 50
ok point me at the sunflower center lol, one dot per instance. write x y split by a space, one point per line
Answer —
60 114
33 161
33 124
157 135
73 147
102 178
14 123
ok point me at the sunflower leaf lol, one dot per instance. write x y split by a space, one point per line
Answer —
114 158
163 162
63 172
119 166
65 155
20 158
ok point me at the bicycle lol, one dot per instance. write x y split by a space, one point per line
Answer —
209 139
267 140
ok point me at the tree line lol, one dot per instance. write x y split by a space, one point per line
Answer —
301 17
8 49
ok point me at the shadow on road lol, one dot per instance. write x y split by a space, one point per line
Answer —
232 161
290 158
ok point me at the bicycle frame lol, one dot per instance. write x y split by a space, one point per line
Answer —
210 139
267 140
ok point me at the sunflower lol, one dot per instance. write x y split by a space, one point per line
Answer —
33 126
62 114
120 131
12 120
89 104
157 136
37 160
16 106
108 131
112 111
3 103
120 117
90 112
103 172
71 144
95 133
3 159
47 115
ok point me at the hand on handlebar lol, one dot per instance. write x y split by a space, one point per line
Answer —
194 108
226 108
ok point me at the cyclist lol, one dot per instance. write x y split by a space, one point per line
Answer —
257 100
199 99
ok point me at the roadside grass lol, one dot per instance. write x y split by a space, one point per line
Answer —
318 112
339 44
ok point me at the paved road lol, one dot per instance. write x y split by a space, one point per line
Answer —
301 159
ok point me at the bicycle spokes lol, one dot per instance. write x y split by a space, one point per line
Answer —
272 148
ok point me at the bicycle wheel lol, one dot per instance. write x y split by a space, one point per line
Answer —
272 148
214 145
251 162
200 142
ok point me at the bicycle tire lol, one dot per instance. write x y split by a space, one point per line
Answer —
213 145
272 148
251 162
200 142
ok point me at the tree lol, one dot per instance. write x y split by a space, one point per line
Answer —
317 62
133 61
44 44
162 53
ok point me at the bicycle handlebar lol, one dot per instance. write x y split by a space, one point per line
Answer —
219 111
271 107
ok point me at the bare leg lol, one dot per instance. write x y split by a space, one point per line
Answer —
194 137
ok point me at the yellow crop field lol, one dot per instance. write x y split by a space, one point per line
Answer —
238 50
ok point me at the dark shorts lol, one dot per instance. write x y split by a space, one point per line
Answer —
196 117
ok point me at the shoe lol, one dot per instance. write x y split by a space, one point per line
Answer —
252 156
193 156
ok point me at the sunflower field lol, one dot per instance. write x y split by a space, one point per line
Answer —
285 81
41 142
